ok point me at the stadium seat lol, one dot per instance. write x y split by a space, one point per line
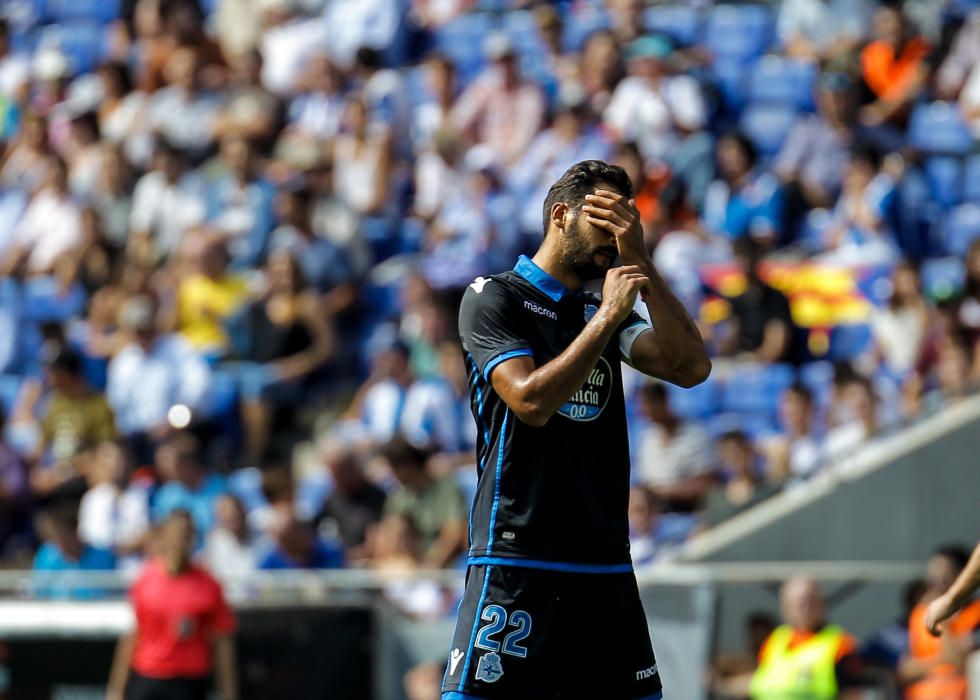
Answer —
754 425
462 41
767 125
697 402
937 127
818 377
311 491
83 43
681 22
782 81
729 78
962 228
580 25
945 177
741 32
246 485
848 341
971 179
81 10
942 278
9 386
756 389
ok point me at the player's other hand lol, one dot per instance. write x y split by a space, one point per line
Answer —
620 289
937 612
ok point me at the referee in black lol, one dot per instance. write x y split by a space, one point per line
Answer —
551 607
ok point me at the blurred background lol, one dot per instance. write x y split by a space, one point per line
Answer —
233 236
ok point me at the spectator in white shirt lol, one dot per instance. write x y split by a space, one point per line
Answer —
822 29
500 109
230 550
318 109
50 228
651 107
380 402
113 515
152 374
674 457
899 329
165 205
437 410
860 424
431 116
23 163
796 454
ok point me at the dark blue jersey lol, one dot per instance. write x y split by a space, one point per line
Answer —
557 493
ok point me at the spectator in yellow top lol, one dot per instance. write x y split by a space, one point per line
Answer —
208 296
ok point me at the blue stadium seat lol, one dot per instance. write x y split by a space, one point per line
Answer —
938 127
9 386
818 377
849 341
945 177
962 228
971 179
697 402
462 41
767 125
756 389
783 81
81 10
580 25
311 491
83 43
681 22
246 484
729 77
942 278
754 425
741 32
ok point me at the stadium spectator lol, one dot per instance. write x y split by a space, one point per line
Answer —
249 111
379 404
859 231
74 418
184 629
889 644
500 109
231 551
729 671
437 411
643 516
83 155
15 71
820 30
62 552
355 505
894 67
431 116
795 454
297 546
120 111
964 54
191 487
745 200
25 158
112 199
433 507
805 655
761 325
14 494
166 203
398 554
383 93
673 456
151 374
598 69
742 472
317 109
49 228
859 410
899 329
934 666
967 308
208 296
114 512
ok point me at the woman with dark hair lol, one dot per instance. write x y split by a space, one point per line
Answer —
120 111
744 200
899 329
280 341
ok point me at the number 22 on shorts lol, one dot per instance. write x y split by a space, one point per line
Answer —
496 618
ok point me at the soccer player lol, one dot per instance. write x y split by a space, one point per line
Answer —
946 605
551 607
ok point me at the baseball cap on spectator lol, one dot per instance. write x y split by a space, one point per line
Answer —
654 46
498 46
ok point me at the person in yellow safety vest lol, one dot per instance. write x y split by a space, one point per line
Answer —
804 658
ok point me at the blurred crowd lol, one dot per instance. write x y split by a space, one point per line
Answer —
234 233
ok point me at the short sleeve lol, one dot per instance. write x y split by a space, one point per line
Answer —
489 325
629 330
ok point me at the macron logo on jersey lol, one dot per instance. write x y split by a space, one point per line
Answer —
479 283
540 310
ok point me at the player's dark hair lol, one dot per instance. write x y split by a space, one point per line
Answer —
581 179
955 554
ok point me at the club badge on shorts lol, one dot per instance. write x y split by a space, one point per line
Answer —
489 669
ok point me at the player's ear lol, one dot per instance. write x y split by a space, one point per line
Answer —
558 212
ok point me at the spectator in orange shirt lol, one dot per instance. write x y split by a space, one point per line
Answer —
934 668
893 66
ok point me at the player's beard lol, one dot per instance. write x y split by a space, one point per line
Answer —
581 257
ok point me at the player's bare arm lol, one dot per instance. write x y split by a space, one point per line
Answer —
535 394
674 350
946 605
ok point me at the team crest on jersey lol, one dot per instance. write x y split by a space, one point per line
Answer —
590 311
587 403
479 283
489 669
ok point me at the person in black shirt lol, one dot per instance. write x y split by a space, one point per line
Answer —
551 607
355 505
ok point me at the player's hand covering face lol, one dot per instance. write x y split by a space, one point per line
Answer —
618 216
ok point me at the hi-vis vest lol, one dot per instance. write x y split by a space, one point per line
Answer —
806 672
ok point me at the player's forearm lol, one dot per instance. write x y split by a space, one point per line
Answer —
548 387
681 345
120 666
967 582
226 673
